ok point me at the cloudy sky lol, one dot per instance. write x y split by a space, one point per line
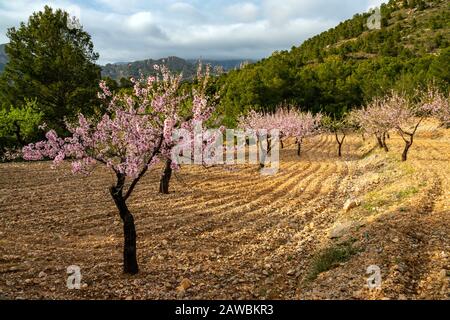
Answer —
138 29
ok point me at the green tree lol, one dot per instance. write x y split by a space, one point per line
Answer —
51 59
19 125
439 68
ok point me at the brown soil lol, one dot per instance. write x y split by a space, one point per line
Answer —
234 233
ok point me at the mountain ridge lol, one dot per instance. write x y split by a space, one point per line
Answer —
176 64
117 70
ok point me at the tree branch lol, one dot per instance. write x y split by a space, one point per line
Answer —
144 170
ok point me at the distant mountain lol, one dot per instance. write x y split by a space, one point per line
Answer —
178 65
3 57
118 70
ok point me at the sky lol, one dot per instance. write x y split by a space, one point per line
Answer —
133 30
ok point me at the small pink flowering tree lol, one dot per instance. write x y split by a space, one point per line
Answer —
405 116
303 125
201 111
397 112
294 123
339 128
437 104
128 139
290 122
374 119
258 123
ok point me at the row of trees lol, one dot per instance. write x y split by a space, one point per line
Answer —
392 112
135 133
289 120
52 60
396 112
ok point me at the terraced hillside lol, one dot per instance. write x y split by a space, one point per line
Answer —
235 234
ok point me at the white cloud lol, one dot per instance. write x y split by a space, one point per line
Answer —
374 3
139 21
182 7
122 6
281 12
136 29
244 12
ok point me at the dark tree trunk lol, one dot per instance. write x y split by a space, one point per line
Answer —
408 142
340 143
165 178
385 147
282 144
408 145
299 147
130 264
380 142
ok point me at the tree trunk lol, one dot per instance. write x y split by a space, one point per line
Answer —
385 147
130 264
263 153
165 178
282 144
340 143
299 147
408 145
380 142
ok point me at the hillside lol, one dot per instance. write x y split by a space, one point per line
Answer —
349 64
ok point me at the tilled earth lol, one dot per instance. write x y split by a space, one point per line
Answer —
233 233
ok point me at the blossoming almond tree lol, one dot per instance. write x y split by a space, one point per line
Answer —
437 104
288 120
403 115
202 109
303 125
128 139
338 127
294 123
257 123
374 119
